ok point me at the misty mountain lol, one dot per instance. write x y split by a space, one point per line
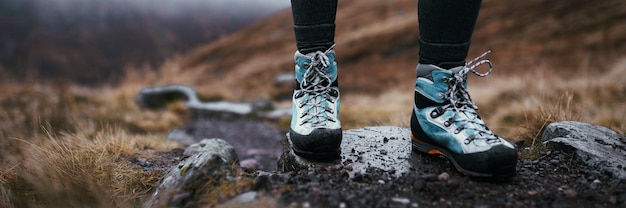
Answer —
93 41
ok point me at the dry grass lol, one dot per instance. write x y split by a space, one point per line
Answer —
64 146
516 107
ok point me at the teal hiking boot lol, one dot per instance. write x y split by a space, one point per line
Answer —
445 122
315 131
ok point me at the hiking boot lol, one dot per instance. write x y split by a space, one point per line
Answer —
445 122
315 127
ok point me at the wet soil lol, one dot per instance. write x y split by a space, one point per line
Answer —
557 179
552 177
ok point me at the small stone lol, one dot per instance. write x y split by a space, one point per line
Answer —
245 198
570 193
443 176
567 191
532 192
249 165
401 200
595 184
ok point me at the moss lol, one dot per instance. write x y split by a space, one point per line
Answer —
185 169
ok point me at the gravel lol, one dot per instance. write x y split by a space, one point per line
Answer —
434 183
546 178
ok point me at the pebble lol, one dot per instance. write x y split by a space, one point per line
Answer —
249 165
595 184
443 176
401 200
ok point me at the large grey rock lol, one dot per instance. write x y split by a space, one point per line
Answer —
209 159
157 97
599 147
256 140
384 147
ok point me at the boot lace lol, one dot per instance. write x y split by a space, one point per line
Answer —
317 84
460 102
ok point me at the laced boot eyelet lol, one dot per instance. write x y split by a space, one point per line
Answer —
334 93
434 114
444 79
438 111
440 95
299 94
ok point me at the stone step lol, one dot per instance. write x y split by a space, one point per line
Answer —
383 147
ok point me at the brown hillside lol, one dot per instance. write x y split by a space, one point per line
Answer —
376 38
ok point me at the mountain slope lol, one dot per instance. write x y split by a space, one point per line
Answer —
377 44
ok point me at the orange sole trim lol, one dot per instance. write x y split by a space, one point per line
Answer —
438 152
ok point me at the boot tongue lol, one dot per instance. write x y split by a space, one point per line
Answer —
457 69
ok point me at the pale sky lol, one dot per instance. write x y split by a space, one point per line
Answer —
165 7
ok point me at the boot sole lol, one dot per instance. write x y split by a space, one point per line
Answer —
322 151
503 173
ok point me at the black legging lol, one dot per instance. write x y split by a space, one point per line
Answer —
446 28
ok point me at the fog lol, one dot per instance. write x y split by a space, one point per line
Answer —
93 40
170 8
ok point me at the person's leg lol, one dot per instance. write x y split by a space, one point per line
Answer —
444 120
314 24
315 131
446 27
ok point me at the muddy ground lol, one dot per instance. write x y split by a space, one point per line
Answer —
546 177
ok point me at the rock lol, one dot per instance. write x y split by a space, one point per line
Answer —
598 147
181 136
595 184
209 159
277 114
213 146
384 147
443 176
404 201
250 199
158 96
252 139
249 165
244 198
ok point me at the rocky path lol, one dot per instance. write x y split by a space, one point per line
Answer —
575 165
380 171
